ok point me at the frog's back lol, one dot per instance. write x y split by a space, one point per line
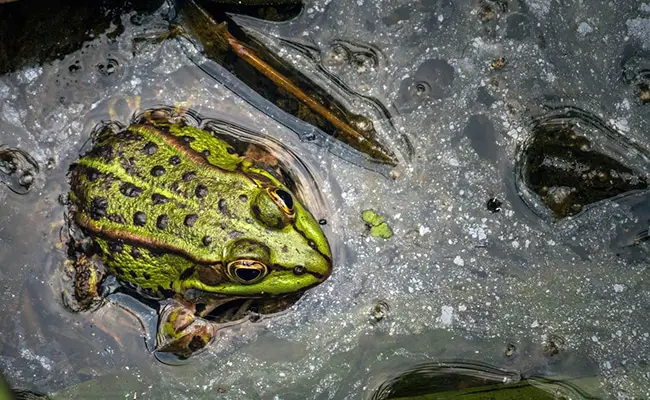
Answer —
159 196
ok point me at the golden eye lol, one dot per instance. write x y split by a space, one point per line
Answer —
247 272
283 199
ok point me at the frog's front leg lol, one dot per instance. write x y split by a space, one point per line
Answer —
180 331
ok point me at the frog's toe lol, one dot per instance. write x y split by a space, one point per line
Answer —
181 333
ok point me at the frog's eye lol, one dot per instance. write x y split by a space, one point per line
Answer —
283 199
247 272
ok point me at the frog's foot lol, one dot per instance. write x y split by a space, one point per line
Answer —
88 274
180 332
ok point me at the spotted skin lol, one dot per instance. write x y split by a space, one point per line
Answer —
171 206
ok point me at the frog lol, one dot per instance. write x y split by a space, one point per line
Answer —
179 216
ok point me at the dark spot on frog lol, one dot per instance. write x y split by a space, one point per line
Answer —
175 187
197 343
187 273
206 153
104 152
107 183
117 218
157 171
150 148
155 253
322 221
128 165
146 276
234 235
130 190
98 207
188 176
133 274
187 139
135 252
223 226
201 191
298 270
92 174
165 292
174 160
285 249
158 198
243 198
139 218
162 221
115 246
223 207
190 220
311 244
493 205
206 240
74 68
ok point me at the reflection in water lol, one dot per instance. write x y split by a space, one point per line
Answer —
475 381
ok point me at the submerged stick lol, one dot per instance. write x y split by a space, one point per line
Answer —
221 45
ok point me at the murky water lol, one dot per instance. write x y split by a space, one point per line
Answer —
538 297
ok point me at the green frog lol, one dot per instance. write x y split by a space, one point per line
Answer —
176 213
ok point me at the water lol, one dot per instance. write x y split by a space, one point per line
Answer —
509 289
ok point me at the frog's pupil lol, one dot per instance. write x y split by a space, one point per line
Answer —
247 274
286 198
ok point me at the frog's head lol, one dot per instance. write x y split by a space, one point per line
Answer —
286 252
